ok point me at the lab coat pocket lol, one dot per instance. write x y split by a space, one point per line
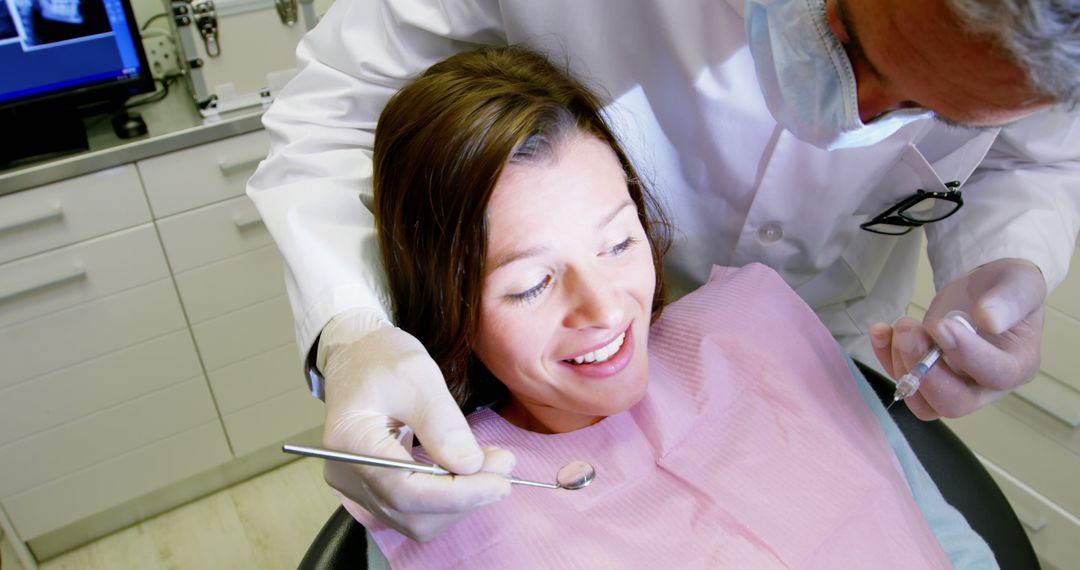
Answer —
855 291
909 174
868 256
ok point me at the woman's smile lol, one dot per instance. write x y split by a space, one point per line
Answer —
606 361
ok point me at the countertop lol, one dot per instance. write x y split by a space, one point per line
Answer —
173 123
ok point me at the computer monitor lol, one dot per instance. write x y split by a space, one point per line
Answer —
57 58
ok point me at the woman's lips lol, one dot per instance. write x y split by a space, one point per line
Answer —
609 367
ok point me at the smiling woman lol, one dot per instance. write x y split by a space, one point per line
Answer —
464 124
564 324
523 251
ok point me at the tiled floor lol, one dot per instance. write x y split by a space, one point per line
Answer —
266 523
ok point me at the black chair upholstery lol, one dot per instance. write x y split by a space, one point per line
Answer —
342 543
963 481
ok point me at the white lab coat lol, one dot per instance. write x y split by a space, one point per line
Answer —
686 104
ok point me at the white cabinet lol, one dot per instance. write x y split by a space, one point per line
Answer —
69 211
79 273
27 408
1052 530
115 480
212 233
1042 478
230 278
88 317
145 335
201 175
222 286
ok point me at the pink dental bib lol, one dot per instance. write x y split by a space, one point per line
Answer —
751 449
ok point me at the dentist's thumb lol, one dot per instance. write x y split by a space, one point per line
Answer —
443 431
1007 292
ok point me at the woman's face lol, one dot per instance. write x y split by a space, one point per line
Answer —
568 290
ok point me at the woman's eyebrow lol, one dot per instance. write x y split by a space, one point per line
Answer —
607 219
512 256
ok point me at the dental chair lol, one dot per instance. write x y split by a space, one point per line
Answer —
966 485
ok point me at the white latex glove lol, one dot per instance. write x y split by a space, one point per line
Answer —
1006 300
376 386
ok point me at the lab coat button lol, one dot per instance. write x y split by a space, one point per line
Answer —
770 233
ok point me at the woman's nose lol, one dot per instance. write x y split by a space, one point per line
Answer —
592 302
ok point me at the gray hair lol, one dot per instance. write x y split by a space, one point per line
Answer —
1041 36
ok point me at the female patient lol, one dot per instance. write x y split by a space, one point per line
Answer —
522 249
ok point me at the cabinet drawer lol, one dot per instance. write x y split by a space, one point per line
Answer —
273 420
1053 398
256 379
71 210
202 175
88 270
51 454
231 284
1060 357
1044 465
1066 297
247 332
117 480
73 392
1054 533
212 233
92 329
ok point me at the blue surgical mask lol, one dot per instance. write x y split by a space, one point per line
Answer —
807 79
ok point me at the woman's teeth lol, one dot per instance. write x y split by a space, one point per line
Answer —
601 354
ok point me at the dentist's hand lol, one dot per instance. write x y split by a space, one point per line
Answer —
375 387
1006 300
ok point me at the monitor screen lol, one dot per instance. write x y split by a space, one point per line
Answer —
56 47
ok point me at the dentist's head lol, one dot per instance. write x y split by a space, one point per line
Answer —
521 248
848 73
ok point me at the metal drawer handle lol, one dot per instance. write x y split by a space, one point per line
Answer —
1036 401
246 219
15 290
1032 523
227 164
49 213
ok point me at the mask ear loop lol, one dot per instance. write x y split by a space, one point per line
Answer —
849 89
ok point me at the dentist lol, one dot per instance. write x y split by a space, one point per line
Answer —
815 136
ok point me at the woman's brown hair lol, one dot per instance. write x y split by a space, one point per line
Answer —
440 146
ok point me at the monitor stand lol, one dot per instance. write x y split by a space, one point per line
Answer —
39 134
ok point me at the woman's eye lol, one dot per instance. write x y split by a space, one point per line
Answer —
532 293
624 246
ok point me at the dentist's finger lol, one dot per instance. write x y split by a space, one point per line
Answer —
881 341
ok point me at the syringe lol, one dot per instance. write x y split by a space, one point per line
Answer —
908 384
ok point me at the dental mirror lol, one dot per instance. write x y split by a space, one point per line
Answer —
573 476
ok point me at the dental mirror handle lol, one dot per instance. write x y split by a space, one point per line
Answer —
369 460
372 461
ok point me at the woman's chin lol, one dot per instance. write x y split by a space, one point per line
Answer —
624 400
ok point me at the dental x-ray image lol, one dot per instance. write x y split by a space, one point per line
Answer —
49 21
7 23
